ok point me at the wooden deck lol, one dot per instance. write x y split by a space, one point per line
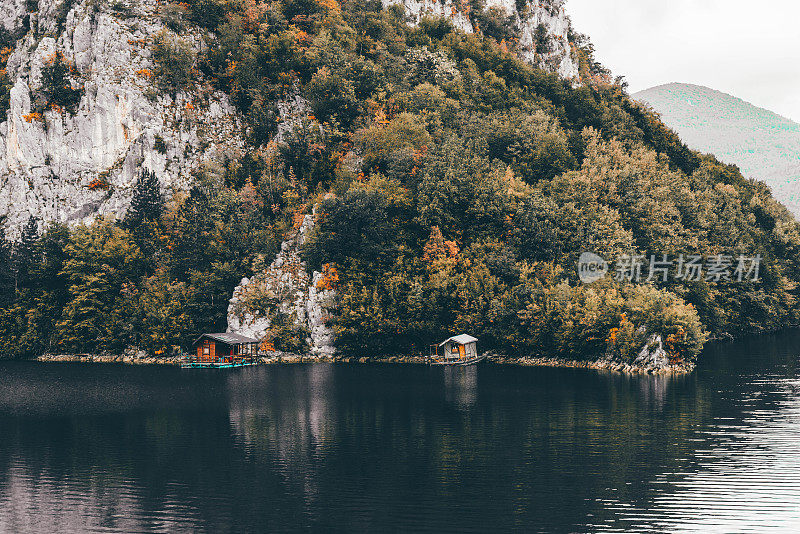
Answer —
471 361
192 362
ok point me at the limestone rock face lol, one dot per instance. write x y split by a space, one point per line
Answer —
652 357
553 18
50 165
288 286
70 167
550 14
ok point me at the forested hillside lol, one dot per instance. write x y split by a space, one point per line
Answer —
456 185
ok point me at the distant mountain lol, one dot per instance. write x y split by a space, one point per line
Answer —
763 144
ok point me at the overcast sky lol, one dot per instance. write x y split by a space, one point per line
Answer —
747 48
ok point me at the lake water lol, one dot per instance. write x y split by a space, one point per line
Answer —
388 448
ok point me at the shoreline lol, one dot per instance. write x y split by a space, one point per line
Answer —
287 359
597 365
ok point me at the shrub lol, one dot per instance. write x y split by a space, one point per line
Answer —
380 142
122 9
159 145
494 22
287 335
542 40
56 85
5 94
173 15
99 183
208 13
30 117
173 58
332 97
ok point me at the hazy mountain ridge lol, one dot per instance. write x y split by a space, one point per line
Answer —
763 144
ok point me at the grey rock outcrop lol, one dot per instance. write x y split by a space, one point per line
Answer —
549 14
288 288
652 357
50 164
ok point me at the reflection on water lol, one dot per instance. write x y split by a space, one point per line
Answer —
744 474
284 423
387 448
654 390
460 385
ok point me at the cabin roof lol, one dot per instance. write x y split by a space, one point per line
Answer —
229 338
461 339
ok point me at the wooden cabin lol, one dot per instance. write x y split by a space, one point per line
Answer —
461 347
224 348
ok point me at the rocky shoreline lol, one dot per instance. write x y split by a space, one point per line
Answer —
279 358
599 364
127 358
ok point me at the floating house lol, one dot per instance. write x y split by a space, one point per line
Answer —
223 350
457 350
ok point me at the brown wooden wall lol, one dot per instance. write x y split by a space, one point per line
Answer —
211 356
216 349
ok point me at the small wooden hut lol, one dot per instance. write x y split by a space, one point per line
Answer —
224 348
462 347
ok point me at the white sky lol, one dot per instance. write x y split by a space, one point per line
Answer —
747 48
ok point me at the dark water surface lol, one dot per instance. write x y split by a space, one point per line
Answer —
388 448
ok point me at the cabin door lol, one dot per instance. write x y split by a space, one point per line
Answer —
462 352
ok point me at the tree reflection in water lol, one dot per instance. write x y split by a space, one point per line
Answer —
337 447
460 385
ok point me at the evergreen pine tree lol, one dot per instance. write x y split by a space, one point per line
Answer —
6 272
56 85
24 253
147 203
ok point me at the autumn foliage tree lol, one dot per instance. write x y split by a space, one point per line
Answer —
455 188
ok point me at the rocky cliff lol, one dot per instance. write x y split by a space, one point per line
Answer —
285 288
541 27
69 165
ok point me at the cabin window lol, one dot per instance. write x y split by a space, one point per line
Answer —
206 349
